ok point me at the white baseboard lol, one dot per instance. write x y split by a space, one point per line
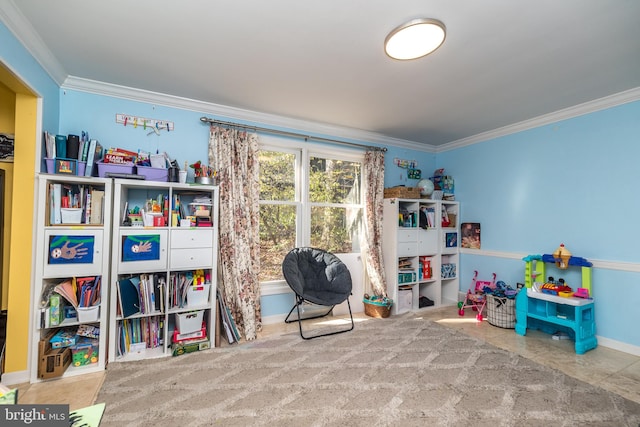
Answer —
618 345
276 318
11 378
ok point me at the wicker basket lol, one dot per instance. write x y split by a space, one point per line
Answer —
501 311
377 308
402 192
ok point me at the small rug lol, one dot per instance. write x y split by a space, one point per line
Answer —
398 371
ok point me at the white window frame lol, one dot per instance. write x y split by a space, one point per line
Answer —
304 150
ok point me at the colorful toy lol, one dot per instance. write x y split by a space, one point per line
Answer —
582 293
85 352
475 298
553 287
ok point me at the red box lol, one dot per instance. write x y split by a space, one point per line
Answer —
183 338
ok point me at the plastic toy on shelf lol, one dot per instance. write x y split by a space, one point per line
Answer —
554 287
582 293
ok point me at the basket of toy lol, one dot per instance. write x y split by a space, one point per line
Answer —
377 306
402 192
501 311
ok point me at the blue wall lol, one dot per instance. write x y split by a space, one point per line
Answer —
188 142
394 175
17 59
570 182
97 113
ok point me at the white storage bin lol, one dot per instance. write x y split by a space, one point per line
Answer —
405 300
197 297
189 322
88 314
71 215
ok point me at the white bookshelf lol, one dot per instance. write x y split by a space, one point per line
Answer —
419 261
64 251
175 251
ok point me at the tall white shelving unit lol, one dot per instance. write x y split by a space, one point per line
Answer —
421 261
66 249
173 250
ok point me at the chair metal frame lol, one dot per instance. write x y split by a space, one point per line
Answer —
299 301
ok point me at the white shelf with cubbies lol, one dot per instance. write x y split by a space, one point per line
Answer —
420 241
71 276
164 269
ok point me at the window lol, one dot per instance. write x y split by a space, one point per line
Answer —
308 198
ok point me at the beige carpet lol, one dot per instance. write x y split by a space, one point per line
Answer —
387 372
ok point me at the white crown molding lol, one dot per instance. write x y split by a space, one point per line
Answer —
29 38
249 117
614 100
603 264
349 134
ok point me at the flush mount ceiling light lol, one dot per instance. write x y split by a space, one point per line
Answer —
415 39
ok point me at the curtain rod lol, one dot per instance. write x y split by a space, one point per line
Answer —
285 133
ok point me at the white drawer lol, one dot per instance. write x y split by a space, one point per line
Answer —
73 252
191 258
407 249
198 238
408 235
427 242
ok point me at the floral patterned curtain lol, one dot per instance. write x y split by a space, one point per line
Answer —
234 154
374 201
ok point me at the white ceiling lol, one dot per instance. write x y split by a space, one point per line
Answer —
503 61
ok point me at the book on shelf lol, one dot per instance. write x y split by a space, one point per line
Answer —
404 263
55 203
94 155
231 332
427 217
96 207
129 298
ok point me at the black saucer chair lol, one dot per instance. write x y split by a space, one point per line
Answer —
318 277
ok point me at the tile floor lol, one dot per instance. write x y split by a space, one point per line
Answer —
611 369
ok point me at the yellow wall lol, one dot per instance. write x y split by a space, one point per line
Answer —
7 125
21 223
18 322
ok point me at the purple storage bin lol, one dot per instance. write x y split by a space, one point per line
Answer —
81 168
50 164
104 168
153 174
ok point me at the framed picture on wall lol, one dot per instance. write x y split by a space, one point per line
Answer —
6 147
470 235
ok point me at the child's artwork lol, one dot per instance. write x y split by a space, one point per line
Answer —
65 249
471 235
145 247
451 240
